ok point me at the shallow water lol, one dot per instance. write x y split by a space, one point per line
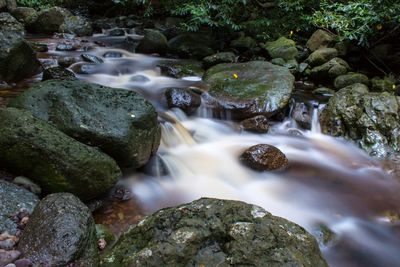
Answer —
329 181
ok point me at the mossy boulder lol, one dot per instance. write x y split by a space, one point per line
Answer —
153 42
213 232
17 58
370 119
25 15
244 90
243 43
76 25
57 162
349 79
282 48
320 39
58 73
192 45
181 68
50 20
321 56
330 70
119 122
218 58
60 232
13 199
385 84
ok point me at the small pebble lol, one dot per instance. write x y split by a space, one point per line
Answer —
101 243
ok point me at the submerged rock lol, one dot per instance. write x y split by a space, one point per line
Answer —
13 200
120 122
61 231
213 232
153 42
184 99
92 58
245 90
52 159
257 124
282 48
17 59
370 119
264 158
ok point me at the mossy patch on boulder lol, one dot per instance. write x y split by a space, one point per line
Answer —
282 48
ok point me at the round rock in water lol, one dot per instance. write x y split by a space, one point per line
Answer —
213 232
257 124
264 158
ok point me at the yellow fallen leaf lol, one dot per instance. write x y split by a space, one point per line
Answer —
235 76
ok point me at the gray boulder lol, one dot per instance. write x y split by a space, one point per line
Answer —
320 39
50 20
76 25
349 79
245 90
13 199
53 160
153 42
25 15
213 232
369 119
60 232
330 70
17 59
119 122
321 56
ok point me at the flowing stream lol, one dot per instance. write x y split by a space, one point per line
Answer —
330 183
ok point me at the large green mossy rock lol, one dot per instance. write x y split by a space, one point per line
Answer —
60 232
119 122
17 58
282 48
13 199
50 20
213 232
245 90
370 119
349 79
330 70
57 162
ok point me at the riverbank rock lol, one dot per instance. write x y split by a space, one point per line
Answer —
17 59
119 122
60 231
56 162
13 200
213 232
320 39
321 56
243 43
282 48
330 70
50 20
245 90
301 115
76 25
184 99
25 15
370 119
223 57
349 79
264 158
192 45
181 68
153 42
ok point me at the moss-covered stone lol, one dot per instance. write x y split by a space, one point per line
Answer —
60 232
243 43
76 25
370 119
213 232
349 79
321 56
248 89
13 199
120 122
223 57
25 15
50 20
195 45
386 84
282 48
153 42
56 162
330 70
17 59
181 68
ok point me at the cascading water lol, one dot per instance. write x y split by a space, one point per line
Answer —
329 182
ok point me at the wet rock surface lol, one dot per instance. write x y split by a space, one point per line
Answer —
184 99
58 73
370 119
52 159
211 232
245 90
70 234
13 200
119 122
257 124
264 157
